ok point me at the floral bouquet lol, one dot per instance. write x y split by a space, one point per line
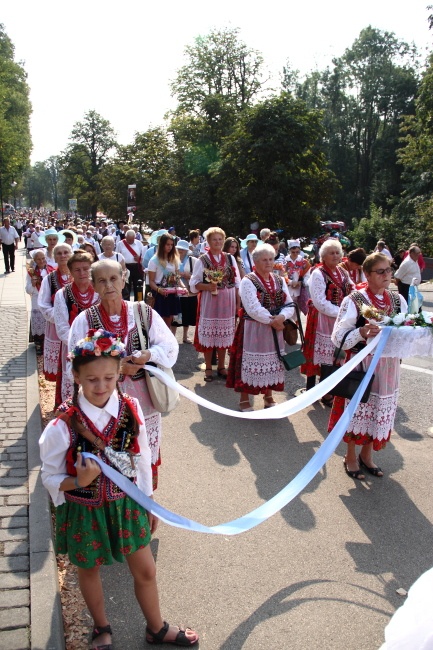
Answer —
373 315
280 269
423 319
215 277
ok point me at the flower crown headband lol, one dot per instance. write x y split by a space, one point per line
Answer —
98 343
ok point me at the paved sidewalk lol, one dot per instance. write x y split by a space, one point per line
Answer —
30 611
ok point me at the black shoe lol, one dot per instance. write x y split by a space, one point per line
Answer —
6 272
13 270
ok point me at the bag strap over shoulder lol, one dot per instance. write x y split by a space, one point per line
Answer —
141 314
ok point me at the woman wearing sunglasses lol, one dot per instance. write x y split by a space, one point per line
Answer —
372 423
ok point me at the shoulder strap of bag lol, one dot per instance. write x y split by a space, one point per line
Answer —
338 352
137 307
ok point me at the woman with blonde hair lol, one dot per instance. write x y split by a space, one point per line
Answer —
216 279
164 279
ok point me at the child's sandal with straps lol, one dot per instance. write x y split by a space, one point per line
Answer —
97 631
181 638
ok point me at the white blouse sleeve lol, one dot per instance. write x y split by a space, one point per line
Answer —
346 321
30 289
53 445
44 300
317 292
61 317
197 276
144 474
78 331
163 346
252 306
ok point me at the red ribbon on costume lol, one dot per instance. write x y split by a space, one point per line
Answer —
134 254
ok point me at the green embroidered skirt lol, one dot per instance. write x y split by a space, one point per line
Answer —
96 536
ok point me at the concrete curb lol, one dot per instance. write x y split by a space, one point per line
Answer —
47 631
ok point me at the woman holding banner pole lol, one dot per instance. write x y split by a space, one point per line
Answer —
358 316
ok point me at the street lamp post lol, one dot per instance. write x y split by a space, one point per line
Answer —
14 186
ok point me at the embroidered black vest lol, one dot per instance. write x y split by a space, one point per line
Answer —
228 281
273 305
122 436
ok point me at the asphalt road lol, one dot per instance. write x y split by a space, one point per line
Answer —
323 572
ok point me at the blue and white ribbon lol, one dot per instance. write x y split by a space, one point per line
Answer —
296 485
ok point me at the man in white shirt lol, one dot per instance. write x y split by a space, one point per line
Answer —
9 239
408 271
132 250
381 247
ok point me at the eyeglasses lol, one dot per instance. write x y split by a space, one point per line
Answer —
383 271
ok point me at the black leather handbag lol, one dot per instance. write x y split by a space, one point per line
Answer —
348 386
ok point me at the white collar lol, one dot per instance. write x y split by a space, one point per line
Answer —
94 412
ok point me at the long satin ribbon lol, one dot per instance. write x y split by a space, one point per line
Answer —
283 497
286 408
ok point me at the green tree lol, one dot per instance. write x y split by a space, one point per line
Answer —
273 168
222 73
363 98
15 110
92 141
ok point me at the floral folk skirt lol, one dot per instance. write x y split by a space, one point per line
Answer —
95 536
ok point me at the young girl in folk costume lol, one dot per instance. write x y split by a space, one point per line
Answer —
36 272
96 522
216 279
50 285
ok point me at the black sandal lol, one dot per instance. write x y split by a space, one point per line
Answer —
97 631
222 372
207 377
159 637
373 470
327 401
354 474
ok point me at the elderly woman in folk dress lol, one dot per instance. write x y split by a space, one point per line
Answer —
266 303
50 239
50 285
373 421
328 285
116 315
70 301
216 278
35 274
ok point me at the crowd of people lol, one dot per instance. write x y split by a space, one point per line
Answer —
239 295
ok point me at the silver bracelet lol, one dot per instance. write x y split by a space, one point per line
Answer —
76 483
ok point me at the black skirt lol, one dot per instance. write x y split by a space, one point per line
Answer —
167 306
189 310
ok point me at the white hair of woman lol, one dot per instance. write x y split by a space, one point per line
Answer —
62 245
327 245
264 248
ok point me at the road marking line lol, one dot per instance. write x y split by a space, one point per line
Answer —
416 369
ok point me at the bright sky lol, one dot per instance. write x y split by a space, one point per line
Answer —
119 57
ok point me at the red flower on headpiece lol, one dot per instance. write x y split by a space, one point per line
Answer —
104 343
